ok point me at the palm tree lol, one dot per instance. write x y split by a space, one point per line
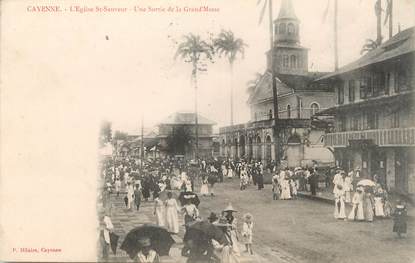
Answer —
227 45
253 83
194 50
369 46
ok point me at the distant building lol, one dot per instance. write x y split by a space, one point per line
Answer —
374 114
300 96
186 121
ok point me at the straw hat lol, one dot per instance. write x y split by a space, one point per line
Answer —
229 208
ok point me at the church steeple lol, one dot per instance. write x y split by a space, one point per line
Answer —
287 10
289 56
287 25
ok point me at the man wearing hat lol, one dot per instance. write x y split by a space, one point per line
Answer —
229 251
228 212
146 254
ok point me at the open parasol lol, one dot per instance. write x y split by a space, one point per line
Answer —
194 199
160 239
366 182
204 229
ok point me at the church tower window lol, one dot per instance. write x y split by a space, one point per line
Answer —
288 111
291 29
285 61
282 28
293 61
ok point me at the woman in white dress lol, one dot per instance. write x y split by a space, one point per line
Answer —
190 211
130 195
159 210
204 189
117 185
348 187
379 198
357 210
285 189
230 173
172 219
339 207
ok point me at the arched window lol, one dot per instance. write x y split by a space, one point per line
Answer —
293 61
314 108
282 28
288 111
291 29
285 61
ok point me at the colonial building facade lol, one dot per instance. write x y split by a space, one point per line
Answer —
186 120
300 96
374 114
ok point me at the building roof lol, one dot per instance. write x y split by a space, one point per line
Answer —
287 10
400 44
178 118
287 83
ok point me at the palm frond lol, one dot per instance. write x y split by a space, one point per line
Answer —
262 14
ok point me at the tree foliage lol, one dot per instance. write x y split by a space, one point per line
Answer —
105 134
119 135
369 46
194 50
227 45
179 140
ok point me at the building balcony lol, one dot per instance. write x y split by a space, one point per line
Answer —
281 123
379 137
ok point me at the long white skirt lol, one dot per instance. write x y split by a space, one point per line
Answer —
204 189
160 216
357 212
172 220
379 207
339 209
285 191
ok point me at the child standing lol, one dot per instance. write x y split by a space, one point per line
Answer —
293 185
247 232
399 219
275 187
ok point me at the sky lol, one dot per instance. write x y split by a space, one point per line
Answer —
134 75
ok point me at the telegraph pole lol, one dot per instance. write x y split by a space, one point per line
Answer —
336 48
142 145
274 85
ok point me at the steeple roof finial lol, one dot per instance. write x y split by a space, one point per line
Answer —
287 10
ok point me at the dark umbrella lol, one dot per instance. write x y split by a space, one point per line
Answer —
194 199
114 242
160 239
204 230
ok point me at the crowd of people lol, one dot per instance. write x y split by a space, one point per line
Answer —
138 181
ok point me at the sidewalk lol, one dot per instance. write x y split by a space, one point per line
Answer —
124 220
328 198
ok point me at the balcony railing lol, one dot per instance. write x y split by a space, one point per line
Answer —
379 137
282 123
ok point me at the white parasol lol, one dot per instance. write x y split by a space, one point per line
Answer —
366 182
